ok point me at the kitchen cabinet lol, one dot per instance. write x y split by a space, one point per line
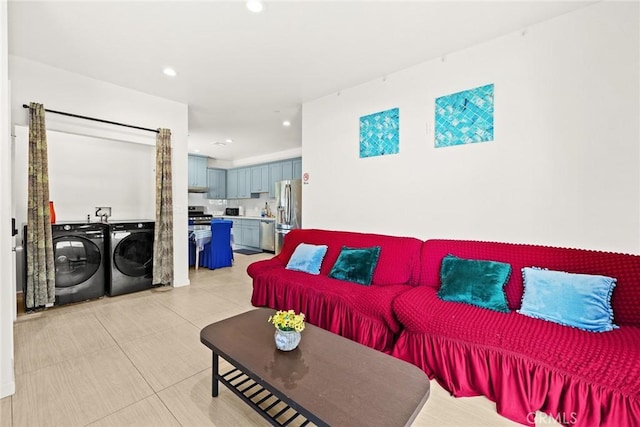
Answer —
286 169
239 183
297 169
251 233
217 179
275 175
260 179
244 183
232 184
246 232
197 171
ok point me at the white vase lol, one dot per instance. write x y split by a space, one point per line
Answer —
287 340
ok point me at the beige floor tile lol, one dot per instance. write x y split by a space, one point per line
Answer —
191 403
442 409
137 317
194 303
78 391
168 357
235 291
219 315
5 412
50 339
148 412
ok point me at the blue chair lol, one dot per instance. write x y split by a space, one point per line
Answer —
220 253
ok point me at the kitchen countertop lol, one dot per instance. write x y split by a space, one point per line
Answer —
244 217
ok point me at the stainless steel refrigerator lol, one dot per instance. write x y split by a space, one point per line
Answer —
288 210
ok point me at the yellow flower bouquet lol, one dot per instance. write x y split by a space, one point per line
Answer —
288 320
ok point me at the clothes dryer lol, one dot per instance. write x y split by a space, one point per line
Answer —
131 250
80 261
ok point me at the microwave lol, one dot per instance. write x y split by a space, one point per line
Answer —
232 211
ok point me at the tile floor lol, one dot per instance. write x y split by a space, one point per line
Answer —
137 360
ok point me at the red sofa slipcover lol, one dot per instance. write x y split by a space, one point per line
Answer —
361 313
580 378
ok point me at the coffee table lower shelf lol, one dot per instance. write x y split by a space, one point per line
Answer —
277 411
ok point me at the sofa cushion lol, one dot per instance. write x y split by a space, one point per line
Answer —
475 282
579 300
625 268
356 265
307 258
399 260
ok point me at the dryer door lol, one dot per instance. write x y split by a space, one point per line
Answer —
133 256
76 258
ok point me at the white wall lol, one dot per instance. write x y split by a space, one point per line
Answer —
7 294
563 168
64 91
87 172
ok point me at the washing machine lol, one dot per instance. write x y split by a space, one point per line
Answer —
131 250
79 257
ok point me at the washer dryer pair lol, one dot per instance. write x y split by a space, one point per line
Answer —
95 259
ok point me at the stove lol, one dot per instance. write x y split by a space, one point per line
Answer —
198 217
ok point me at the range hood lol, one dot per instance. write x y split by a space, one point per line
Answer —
198 189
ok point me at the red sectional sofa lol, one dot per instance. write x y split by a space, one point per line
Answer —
523 364
361 313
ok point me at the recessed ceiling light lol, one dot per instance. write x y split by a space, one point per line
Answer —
286 123
219 143
228 141
168 71
255 6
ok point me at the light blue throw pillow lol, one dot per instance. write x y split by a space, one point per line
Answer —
579 300
307 258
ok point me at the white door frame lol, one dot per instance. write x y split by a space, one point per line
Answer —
7 257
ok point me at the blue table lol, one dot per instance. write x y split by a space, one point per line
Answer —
199 237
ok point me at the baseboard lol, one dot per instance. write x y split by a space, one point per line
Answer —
7 389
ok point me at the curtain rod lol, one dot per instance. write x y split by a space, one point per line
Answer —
95 120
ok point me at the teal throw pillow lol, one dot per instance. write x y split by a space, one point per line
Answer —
579 300
307 258
474 282
356 264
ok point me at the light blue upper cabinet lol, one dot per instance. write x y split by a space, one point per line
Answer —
260 179
217 183
244 183
275 175
232 184
248 182
197 171
297 168
287 169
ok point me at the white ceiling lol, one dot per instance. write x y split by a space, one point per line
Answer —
242 73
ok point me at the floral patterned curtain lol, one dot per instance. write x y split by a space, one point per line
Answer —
163 239
39 243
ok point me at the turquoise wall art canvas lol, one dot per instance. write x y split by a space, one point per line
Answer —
464 117
380 133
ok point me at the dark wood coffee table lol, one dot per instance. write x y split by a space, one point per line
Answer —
327 380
